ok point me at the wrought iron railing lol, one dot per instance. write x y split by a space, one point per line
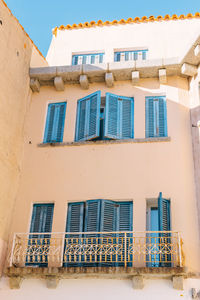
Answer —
133 249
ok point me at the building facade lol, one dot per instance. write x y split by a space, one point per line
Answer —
108 197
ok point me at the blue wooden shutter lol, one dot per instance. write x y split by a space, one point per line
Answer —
112 116
163 213
92 215
127 117
88 117
75 217
119 117
164 223
42 217
149 117
55 123
125 216
108 215
162 117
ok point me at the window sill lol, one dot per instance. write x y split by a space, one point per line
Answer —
107 142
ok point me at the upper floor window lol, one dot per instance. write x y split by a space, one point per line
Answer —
156 116
110 117
130 55
93 58
55 122
100 215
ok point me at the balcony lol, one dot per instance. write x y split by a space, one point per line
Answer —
148 249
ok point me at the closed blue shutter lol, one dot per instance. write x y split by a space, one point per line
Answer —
125 219
164 223
156 117
42 217
88 117
108 216
92 215
55 123
75 215
149 117
125 223
41 222
162 117
119 117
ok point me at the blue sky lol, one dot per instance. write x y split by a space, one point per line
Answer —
38 17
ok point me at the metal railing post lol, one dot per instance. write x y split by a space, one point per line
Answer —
125 246
179 250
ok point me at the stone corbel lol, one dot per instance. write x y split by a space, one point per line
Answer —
59 84
52 282
15 282
135 77
109 79
35 85
84 83
138 282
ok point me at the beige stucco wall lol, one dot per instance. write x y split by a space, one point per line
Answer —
136 171
163 39
15 56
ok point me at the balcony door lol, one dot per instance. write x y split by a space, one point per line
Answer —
159 241
99 240
38 241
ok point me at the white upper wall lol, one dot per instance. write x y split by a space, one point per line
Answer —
163 39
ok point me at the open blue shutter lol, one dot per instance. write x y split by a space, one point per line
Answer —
108 215
149 116
75 215
125 218
164 223
92 215
162 117
55 123
112 116
42 217
163 213
119 117
127 118
88 117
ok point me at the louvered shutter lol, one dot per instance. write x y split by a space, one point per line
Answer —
75 215
162 117
88 117
125 219
164 225
61 120
149 116
108 216
92 215
125 223
42 217
119 117
127 118
41 222
55 123
163 213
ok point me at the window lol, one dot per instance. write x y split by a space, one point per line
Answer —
130 55
158 221
41 222
94 58
55 123
156 117
100 215
112 120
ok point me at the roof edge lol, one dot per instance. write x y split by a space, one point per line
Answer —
143 19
